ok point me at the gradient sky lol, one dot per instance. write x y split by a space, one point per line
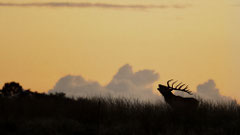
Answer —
188 40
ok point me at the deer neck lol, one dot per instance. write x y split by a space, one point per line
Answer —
168 96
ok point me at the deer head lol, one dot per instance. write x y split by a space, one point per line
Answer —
179 87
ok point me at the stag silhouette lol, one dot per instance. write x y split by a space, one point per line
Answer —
177 102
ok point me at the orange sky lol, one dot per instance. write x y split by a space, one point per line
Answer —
41 44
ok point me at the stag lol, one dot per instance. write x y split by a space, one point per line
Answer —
177 102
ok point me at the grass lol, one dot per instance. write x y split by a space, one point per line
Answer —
54 114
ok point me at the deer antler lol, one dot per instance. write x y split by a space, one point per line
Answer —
178 87
169 82
170 87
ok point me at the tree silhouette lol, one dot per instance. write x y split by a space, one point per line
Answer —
11 89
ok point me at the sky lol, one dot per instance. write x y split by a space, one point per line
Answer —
194 41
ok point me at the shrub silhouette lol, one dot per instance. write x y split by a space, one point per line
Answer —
12 89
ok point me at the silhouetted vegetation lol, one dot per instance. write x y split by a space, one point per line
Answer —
23 112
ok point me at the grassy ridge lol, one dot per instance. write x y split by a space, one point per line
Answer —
42 114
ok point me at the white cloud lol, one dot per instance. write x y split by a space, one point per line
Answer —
137 85
207 91
77 86
125 83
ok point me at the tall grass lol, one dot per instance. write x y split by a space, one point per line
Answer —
57 115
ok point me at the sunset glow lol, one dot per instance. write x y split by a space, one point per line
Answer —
192 41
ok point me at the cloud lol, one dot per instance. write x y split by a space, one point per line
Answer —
77 86
93 5
138 84
207 91
125 83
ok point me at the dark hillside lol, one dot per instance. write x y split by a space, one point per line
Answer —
54 114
